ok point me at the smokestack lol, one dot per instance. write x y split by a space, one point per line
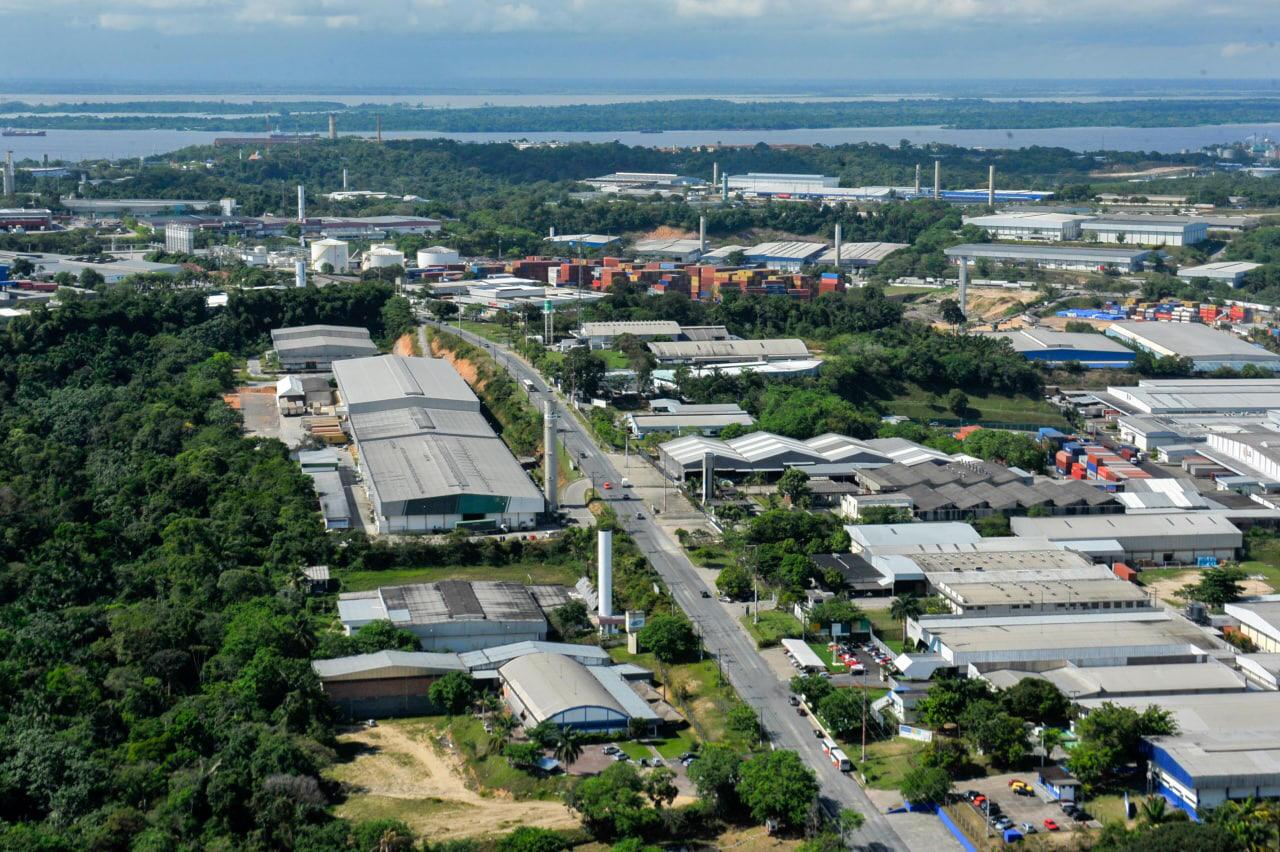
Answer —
715 173
708 477
550 458
379 126
838 234
551 232
46 160
937 179
8 173
702 234
333 126
917 179
724 187
963 291
302 204
991 186
344 179
604 577
299 274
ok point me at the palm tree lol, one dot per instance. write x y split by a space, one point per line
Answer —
1154 810
503 727
905 607
568 746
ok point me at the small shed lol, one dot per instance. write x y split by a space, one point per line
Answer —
1058 782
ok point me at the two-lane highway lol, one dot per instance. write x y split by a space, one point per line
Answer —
722 636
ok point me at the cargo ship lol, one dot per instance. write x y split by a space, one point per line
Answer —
15 131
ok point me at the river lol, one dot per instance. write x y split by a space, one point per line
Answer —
77 145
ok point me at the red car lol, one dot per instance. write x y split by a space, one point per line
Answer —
608 486
1050 825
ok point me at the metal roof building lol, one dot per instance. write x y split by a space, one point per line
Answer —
1108 682
764 452
604 332
334 506
1159 538
1030 225
1207 347
431 460
452 615
1058 347
1229 271
583 240
1144 230
705 352
1052 257
870 537
686 250
1259 621
787 255
553 688
1201 396
316 347
859 255
682 419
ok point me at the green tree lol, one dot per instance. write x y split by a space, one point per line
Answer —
715 775
884 515
669 637
926 785
950 698
841 710
834 611
568 746
812 688
946 753
453 693
582 370
1037 701
794 486
744 722
91 279
660 786
958 402
530 838
777 785
903 608
734 580
1216 586
1001 737
612 804
951 312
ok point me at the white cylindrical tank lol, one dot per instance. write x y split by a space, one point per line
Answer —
330 251
437 256
300 274
256 256
383 255
604 580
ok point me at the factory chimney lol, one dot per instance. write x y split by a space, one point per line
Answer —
604 579
724 187
379 126
937 179
299 274
550 459
838 241
551 232
917 179
715 173
991 186
702 234
302 204
333 126
344 179
8 173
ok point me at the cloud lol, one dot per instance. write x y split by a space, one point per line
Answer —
1234 49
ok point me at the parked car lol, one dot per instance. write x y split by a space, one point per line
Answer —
800 711
793 701
1003 823
1027 828
705 593
611 749
1050 825
970 795
608 486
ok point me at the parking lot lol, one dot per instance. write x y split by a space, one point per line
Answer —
1032 809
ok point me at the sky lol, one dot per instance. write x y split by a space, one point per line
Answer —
434 44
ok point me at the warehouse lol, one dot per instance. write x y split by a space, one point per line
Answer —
385 684
1030 226
583 241
431 460
680 250
788 256
775 183
316 347
1079 258
1208 348
708 352
334 506
1159 679
1227 747
557 690
1039 596
455 615
684 419
112 269
602 334
1201 396
763 453
1224 272
115 208
295 394
1249 453
859 255
1167 538
1259 623
1060 347
1144 230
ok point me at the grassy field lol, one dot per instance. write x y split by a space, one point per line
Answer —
992 408
487 330
888 761
889 629
520 572
711 556
1110 808
696 690
774 626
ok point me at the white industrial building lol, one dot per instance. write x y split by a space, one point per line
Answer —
686 419
859 255
382 256
1259 622
1251 452
1201 396
1143 230
1230 272
679 250
767 453
1030 226
600 334
431 460
708 352
316 347
785 255
1082 258
437 256
558 690
1207 347
179 238
1159 538
335 253
775 183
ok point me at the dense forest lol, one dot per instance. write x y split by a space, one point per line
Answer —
155 686
694 114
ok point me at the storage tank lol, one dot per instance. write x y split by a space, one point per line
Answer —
330 251
437 256
380 256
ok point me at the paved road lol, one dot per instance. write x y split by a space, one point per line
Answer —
722 636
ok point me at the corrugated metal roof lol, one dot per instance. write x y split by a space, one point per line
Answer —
549 684
384 664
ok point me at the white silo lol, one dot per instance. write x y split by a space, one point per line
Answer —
299 274
604 572
330 251
437 256
380 256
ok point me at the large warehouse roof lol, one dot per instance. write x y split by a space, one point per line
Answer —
872 536
448 600
387 664
394 381
1190 340
324 341
762 449
860 254
1024 219
1002 251
1047 340
550 684
1121 527
707 350
640 328
790 250
1191 396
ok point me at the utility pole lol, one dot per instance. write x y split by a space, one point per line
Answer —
863 760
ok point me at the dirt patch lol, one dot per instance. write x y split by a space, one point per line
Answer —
403 346
1167 589
233 400
398 768
666 232
1152 172
464 367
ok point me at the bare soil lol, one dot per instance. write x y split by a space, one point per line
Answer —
464 367
404 346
